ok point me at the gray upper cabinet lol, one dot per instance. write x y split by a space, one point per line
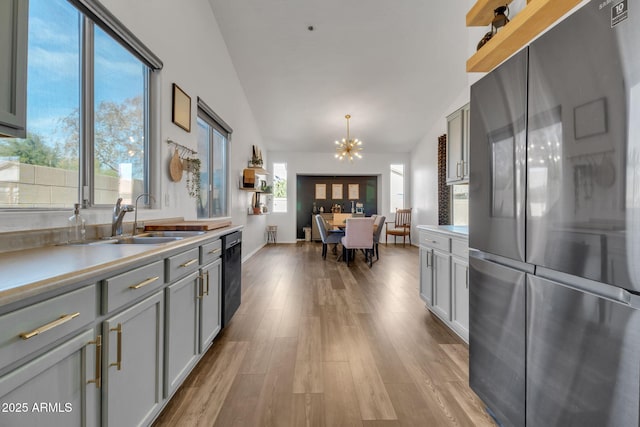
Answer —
458 146
14 17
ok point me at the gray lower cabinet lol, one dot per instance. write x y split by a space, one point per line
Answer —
426 275
442 284
211 304
444 277
56 389
460 296
182 323
132 365
14 19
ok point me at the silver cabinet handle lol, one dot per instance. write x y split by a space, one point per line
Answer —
458 170
44 328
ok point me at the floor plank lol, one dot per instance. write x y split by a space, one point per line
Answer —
318 344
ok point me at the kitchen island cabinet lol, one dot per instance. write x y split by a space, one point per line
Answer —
444 275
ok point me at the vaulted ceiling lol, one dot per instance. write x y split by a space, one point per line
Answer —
392 65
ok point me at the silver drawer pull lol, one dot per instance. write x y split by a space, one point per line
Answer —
144 283
188 263
63 319
214 251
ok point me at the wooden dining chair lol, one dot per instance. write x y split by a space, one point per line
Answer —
400 227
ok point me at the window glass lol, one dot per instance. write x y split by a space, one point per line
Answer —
212 152
397 187
460 205
41 170
119 122
279 187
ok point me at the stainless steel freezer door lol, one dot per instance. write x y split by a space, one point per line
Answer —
497 338
497 147
583 358
583 145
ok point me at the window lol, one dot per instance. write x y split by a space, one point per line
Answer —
213 147
460 205
396 188
280 187
87 115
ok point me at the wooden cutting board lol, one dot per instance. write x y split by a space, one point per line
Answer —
188 225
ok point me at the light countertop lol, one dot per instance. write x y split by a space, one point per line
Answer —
452 230
30 272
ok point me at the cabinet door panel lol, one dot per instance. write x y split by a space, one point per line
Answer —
442 284
460 291
181 347
53 390
14 18
134 393
426 276
210 305
454 146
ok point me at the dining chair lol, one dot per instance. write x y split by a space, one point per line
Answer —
378 222
401 226
327 237
358 235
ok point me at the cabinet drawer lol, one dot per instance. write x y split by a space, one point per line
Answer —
460 248
182 264
126 287
435 241
210 251
31 328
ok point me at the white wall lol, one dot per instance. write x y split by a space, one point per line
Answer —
186 37
299 163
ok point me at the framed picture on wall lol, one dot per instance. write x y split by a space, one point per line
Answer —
321 191
354 191
336 191
181 109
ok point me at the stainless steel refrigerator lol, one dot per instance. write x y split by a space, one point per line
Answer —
555 225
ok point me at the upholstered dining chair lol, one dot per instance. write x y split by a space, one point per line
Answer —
400 227
358 235
378 221
327 237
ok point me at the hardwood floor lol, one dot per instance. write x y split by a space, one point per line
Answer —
317 343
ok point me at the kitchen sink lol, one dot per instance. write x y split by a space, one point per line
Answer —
170 234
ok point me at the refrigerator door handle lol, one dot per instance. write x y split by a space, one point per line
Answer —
598 289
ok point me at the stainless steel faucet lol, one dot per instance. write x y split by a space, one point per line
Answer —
135 217
118 214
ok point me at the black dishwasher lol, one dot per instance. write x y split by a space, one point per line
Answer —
231 275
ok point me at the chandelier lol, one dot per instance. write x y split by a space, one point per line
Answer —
347 147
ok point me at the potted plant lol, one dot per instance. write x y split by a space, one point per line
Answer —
192 167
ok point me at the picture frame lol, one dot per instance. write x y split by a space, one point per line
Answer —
336 191
181 108
354 191
321 191
590 119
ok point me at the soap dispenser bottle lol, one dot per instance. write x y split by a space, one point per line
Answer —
76 226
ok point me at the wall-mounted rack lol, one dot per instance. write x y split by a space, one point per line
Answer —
181 147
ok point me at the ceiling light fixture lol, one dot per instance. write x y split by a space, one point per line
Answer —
347 147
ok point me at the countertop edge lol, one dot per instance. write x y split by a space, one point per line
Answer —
451 230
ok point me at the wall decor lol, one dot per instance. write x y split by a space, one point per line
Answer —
354 191
336 191
321 191
181 110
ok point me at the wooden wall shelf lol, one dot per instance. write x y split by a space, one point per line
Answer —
527 24
481 13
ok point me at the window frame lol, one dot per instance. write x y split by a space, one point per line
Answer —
273 186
